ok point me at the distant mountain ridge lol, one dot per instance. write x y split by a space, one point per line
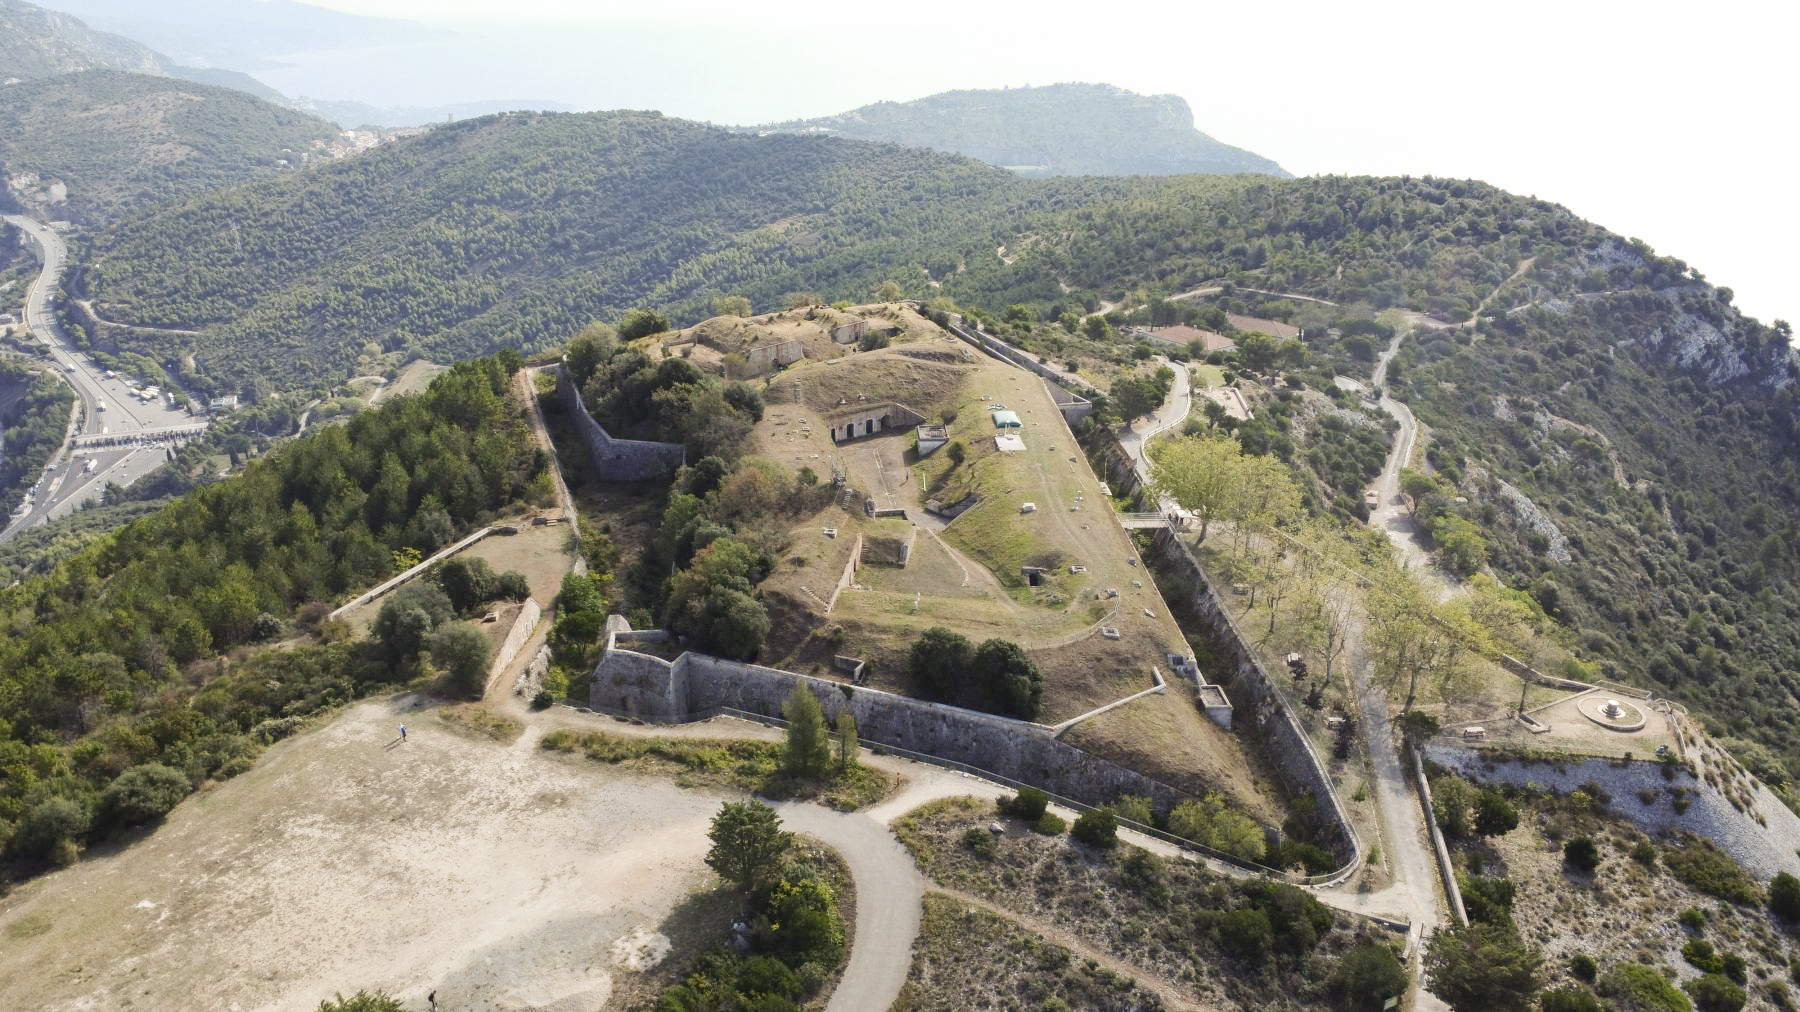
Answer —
35 42
1057 130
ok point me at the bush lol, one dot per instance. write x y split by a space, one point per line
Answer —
1584 967
1713 993
511 586
462 651
1049 824
1210 823
1699 952
1368 976
1246 934
1582 854
1568 999
981 841
143 794
1028 804
1098 828
1644 853
1784 897
1701 864
50 830
1635 987
1134 808
543 700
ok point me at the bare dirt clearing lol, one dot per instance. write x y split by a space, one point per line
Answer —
495 875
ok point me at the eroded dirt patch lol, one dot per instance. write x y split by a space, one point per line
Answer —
347 859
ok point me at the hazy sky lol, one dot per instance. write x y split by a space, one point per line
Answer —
1674 123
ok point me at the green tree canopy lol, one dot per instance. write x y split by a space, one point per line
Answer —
462 651
747 844
938 658
143 794
808 751
1482 968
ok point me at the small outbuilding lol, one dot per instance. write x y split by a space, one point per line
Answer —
931 438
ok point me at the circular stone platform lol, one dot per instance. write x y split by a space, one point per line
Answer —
1612 714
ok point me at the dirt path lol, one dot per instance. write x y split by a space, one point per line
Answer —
1171 997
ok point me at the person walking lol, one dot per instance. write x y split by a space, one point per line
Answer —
402 732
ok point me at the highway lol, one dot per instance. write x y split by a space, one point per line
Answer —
125 438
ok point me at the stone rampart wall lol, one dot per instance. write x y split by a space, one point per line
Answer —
697 685
848 576
1073 406
523 625
1289 749
617 459
1709 813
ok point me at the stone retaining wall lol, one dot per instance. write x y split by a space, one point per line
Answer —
617 459
523 625
1073 406
1709 813
1289 750
695 686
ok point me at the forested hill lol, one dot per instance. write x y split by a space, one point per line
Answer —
122 143
519 229
1059 130
35 42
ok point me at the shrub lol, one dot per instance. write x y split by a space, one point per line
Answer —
981 841
1494 815
1368 976
1134 808
1582 854
1049 824
1701 864
1734 968
543 700
143 794
1784 897
50 829
363 1001
1713 993
1028 804
1699 952
805 926
1210 823
1635 987
1488 899
511 586
1584 967
1098 828
1246 934
462 651
1644 853
1568 999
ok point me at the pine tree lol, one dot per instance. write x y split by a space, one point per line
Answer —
846 740
808 742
